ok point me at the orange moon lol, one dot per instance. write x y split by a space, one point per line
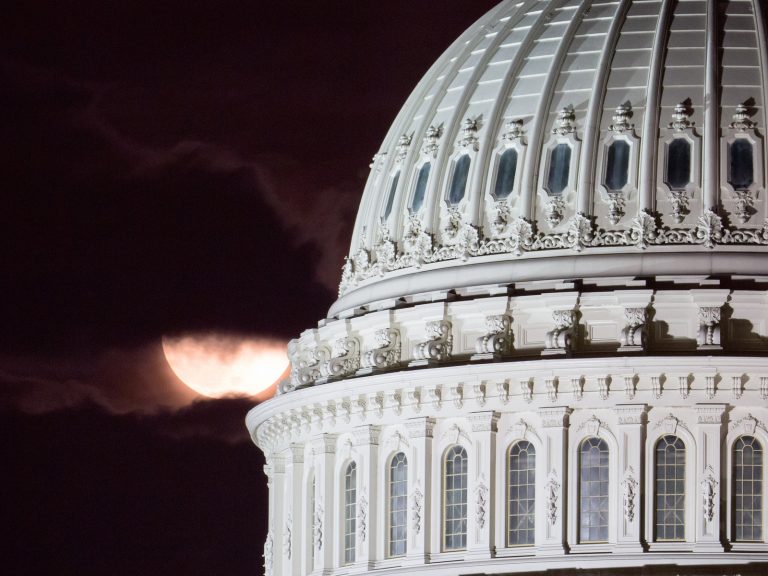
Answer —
217 366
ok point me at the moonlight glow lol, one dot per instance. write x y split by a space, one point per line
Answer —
217 366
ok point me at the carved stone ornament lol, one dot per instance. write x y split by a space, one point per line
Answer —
593 426
345 358
629 488
560 340
554 208
481 503
417 244
469 129
603 386
403 143
386 352
457 233
634 335
317 528
621 121
526 387
764 387
501 215
417 506
679 201
577 385
710 387
362 518
744 205
552 494
439 343
616 206
269 554
708 487
630 387
681 118
683 386
566 122
431 142
709 328
513 131
669 423
306 364
737 386
384 249
741 121
551 385
456 433
498 338
747 425
287 535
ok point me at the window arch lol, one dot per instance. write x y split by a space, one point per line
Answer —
397 506
741 169
421 187
505 174
521 494
459 180
455 499
669 506
350 512
678 174
559 169
617 165
593 490
391 195
747 490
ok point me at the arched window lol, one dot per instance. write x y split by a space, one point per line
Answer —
459 181
747 490
391 195
678 164
421 187
521 496
741 174
670 489
505 176
398 505
455 499
617 165
593 491
559 168
350 512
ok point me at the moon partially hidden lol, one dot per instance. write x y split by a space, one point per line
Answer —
217 366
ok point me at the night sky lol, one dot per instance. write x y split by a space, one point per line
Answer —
171 168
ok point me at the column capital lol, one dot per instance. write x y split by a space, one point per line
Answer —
710 413
297 453
420 427
630 414
366 435
324 443
554 416
484 421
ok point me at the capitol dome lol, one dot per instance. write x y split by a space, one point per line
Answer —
549 347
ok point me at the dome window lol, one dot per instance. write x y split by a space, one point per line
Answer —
617 166
505 177
455 499
421 187
741 170
459 181
391 195
670 489
748 490
593 491
559 169
521 499
679 164
350 513
398 505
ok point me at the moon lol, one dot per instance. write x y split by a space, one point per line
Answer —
217 366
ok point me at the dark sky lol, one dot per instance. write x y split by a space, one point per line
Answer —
172 168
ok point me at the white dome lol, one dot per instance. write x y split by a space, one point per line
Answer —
531 75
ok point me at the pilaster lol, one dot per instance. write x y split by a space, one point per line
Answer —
482 507
420 433
631 433
368 523
551 506
324 449
297 518
709 431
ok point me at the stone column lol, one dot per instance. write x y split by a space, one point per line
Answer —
420 432
368 524
632 421
296 520
709 431
269 544
551 495
482 507
278 511
323 528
